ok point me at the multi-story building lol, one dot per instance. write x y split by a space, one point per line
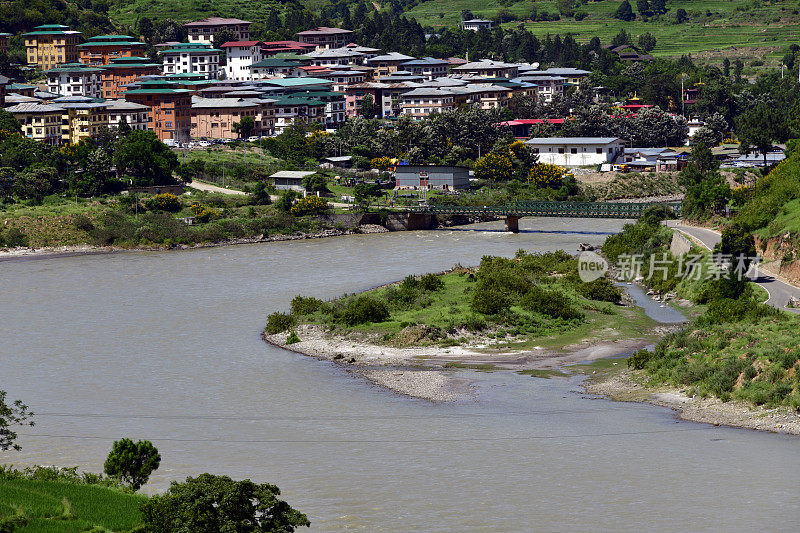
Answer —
324 37
421 103
336 56
214 118
122 71
192 58
4 42
488 68
83 118
240 56
387 96
476 24
335 111
204 31
133 114
343 78
50 45
388 63
427 67
274 67
290 109
576 151
270 48
100 50
42 122
74 79
4 81
170 109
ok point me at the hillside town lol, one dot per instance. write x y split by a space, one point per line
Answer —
193 91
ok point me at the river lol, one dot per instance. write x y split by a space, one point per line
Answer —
165 346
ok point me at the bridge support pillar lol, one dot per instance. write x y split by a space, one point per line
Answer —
512 224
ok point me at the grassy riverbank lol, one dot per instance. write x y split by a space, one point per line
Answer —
532 301
130 222
49 499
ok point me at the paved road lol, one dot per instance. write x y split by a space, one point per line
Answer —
200 186
779 291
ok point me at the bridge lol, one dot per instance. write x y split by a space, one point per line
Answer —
514 211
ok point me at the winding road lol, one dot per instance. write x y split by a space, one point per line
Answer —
779 291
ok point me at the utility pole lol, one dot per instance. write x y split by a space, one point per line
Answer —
683 98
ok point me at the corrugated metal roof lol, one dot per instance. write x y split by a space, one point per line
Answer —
572 140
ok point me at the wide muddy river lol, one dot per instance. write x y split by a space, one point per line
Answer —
166 347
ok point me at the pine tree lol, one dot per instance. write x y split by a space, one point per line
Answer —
624 12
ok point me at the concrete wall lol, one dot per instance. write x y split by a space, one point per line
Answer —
680 245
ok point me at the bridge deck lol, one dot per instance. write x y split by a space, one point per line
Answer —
552 209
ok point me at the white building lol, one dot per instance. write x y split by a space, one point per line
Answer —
428 67
422 102
74 79
476 24
488 68
204 31
192 58
240 57
135 115
576 151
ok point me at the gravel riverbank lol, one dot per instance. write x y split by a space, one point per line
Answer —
626 385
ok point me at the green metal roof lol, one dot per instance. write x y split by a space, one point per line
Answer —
110 37
296 82
275 62
296 100
74 67
111 43
158 91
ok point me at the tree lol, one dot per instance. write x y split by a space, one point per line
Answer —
209 504
623 37
494 167
260 194
35 183
9 125
363 193
647 42
245 127
146 28
15 414
659 7
368 107
223 36
681 16
132 462
286 201
706 136
624 12
315 183
644 7
738 244
310 205
146 159
758 127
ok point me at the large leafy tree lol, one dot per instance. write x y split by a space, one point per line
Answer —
210 503
143 157
759 127
245 127
14 414
9 125
132 462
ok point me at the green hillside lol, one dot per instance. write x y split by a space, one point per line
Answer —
128 11
37 506
768 26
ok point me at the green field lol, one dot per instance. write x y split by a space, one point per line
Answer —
713 25
127 12
56 506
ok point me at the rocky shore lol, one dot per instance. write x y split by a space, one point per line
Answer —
428 371
627 385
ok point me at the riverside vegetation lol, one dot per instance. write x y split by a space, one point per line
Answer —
737 348
531 299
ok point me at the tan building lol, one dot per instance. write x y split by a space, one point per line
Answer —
83 118
204 31
4 42
41 122
421 103
50 45
324 37
213 118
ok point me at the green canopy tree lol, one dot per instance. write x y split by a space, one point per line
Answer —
14 414
245 127
210 504
625 12
132 462
758 127
143 157
9 125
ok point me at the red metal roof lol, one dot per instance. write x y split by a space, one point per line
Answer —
240 43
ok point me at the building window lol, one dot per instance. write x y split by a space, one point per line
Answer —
560 150
573 150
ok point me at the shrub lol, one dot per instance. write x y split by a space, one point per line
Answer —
83 223
278 322
602 289
201 213
292 338
163 202
13 237
489 300
494 167
306 305
431 283
310 205
545 175
362 310
381 163
552 303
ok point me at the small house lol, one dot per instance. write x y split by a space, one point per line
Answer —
290 180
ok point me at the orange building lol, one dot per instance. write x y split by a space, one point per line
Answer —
103 48
51 44
214 118
120 72
170 109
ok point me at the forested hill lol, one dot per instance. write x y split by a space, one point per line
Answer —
88 16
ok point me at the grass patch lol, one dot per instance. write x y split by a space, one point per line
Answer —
483 367
546 374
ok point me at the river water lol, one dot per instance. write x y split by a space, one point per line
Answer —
166 347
